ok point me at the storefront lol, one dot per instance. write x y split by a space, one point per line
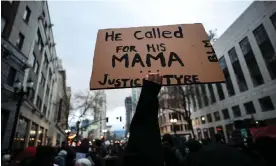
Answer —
33 134
4 121
199 134
21 133
40 136
205 133
28 134
212 133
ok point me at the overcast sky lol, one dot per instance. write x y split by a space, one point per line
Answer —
76 24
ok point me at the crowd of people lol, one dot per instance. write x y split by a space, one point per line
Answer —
146 147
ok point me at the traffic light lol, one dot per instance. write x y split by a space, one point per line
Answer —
120 119
106 119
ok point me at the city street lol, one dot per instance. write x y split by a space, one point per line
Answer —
85 83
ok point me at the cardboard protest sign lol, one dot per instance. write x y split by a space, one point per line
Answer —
182 53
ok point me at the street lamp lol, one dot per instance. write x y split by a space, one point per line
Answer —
67 131
174 121
19 91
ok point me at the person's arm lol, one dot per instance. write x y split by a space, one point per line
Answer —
144 144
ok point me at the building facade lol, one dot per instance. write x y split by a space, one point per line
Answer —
246 53
170 108
29 55
128 106
135 95
101 117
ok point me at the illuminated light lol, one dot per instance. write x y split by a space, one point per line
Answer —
32 132
73 136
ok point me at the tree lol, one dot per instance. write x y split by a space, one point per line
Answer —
176 99
212 35
64 110
88 103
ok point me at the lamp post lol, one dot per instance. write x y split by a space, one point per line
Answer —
67 131
19 91
174 121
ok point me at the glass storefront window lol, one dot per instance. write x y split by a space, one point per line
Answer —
40 136
33 134
21 132
46 137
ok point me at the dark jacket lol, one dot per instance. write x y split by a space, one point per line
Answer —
144 144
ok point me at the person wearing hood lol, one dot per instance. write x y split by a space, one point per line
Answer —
172 155
60 159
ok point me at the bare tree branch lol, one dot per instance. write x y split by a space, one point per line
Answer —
176 98
88 102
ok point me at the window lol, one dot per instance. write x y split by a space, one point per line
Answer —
50 75
48 91
37 37
225 114
236 111
174 115
33 134
217 116
209 118
237 69
39 40
260 34
31 94
27 14
11 76
266 49
44 110
249 107
251 62
20 40
228 80
21 133
266 104
36 67
197 121
38 102
32 60
46 62
3 24
204 94
203 120
273 20
213 98
42 80
220 91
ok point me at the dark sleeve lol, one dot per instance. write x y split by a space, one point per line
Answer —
144 144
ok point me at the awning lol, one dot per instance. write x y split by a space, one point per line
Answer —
268 131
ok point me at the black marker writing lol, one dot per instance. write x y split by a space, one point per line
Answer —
173 57
168 80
